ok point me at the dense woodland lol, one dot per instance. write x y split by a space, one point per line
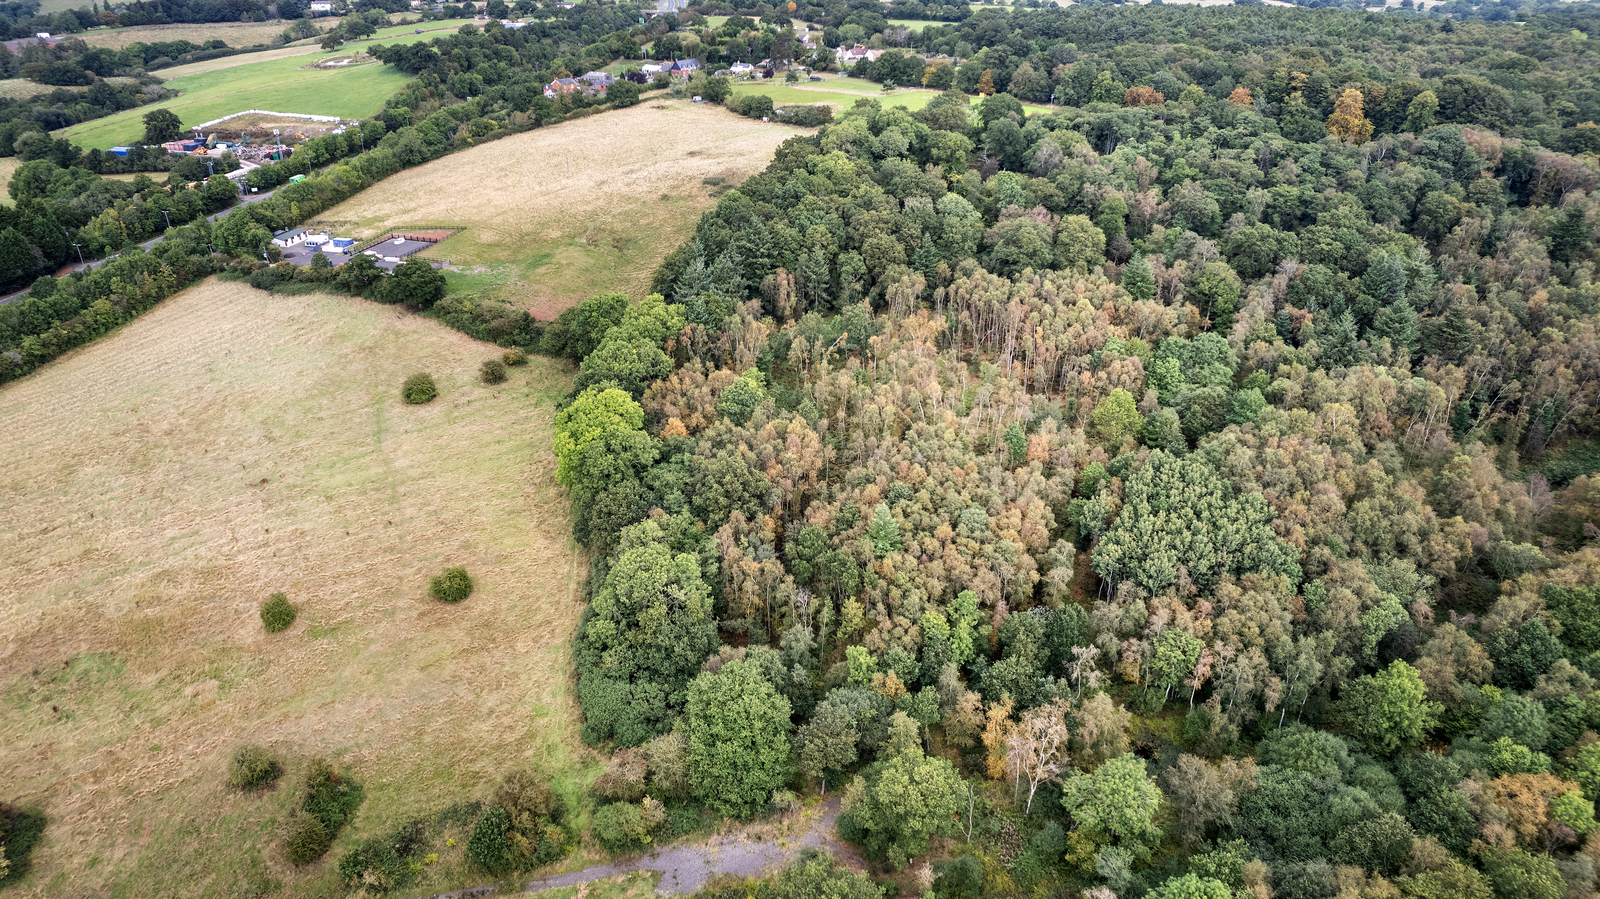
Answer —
1195 481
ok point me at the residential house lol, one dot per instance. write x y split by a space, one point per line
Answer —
321 6
651 69
561 86
686 67
849 56
514 26
597 81
741 69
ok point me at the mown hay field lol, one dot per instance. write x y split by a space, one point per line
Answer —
288 83
556 214
160 483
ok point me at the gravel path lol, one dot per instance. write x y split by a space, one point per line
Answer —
686 868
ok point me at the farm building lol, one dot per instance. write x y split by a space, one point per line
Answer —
289 238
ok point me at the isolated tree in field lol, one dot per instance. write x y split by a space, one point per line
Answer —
1118 799
903 800
739 750
1389 710
161 126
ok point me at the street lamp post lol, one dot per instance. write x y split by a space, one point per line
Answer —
167 217
79 248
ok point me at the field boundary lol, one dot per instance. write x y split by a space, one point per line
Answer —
288 115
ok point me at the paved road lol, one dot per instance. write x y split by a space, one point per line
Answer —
89 264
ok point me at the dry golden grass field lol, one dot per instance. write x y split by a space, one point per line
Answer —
160 483
553 215
235 34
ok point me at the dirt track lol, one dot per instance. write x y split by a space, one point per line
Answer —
686 868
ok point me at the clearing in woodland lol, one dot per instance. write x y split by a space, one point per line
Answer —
163 481
556 214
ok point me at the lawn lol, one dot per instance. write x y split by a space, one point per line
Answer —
230 443
917 24
553 215
282 84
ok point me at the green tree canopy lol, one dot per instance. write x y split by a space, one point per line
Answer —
739 750
1178 513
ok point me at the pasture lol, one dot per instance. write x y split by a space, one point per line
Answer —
556 214
230 443
283 84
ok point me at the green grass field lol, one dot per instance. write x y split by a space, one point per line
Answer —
280 85
915 23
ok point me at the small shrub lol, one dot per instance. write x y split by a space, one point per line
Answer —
20 832
493 371
452 586
277 613
488 846
616 826
331 797
515 356
252 767
388 862
305 838
419 388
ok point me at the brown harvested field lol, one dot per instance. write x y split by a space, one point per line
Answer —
553 215
161 482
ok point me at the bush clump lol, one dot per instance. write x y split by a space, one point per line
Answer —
419 388
252 767
331 799
388 862
520 829
277 613
515 356
20 831
452 586
493 371
305 838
